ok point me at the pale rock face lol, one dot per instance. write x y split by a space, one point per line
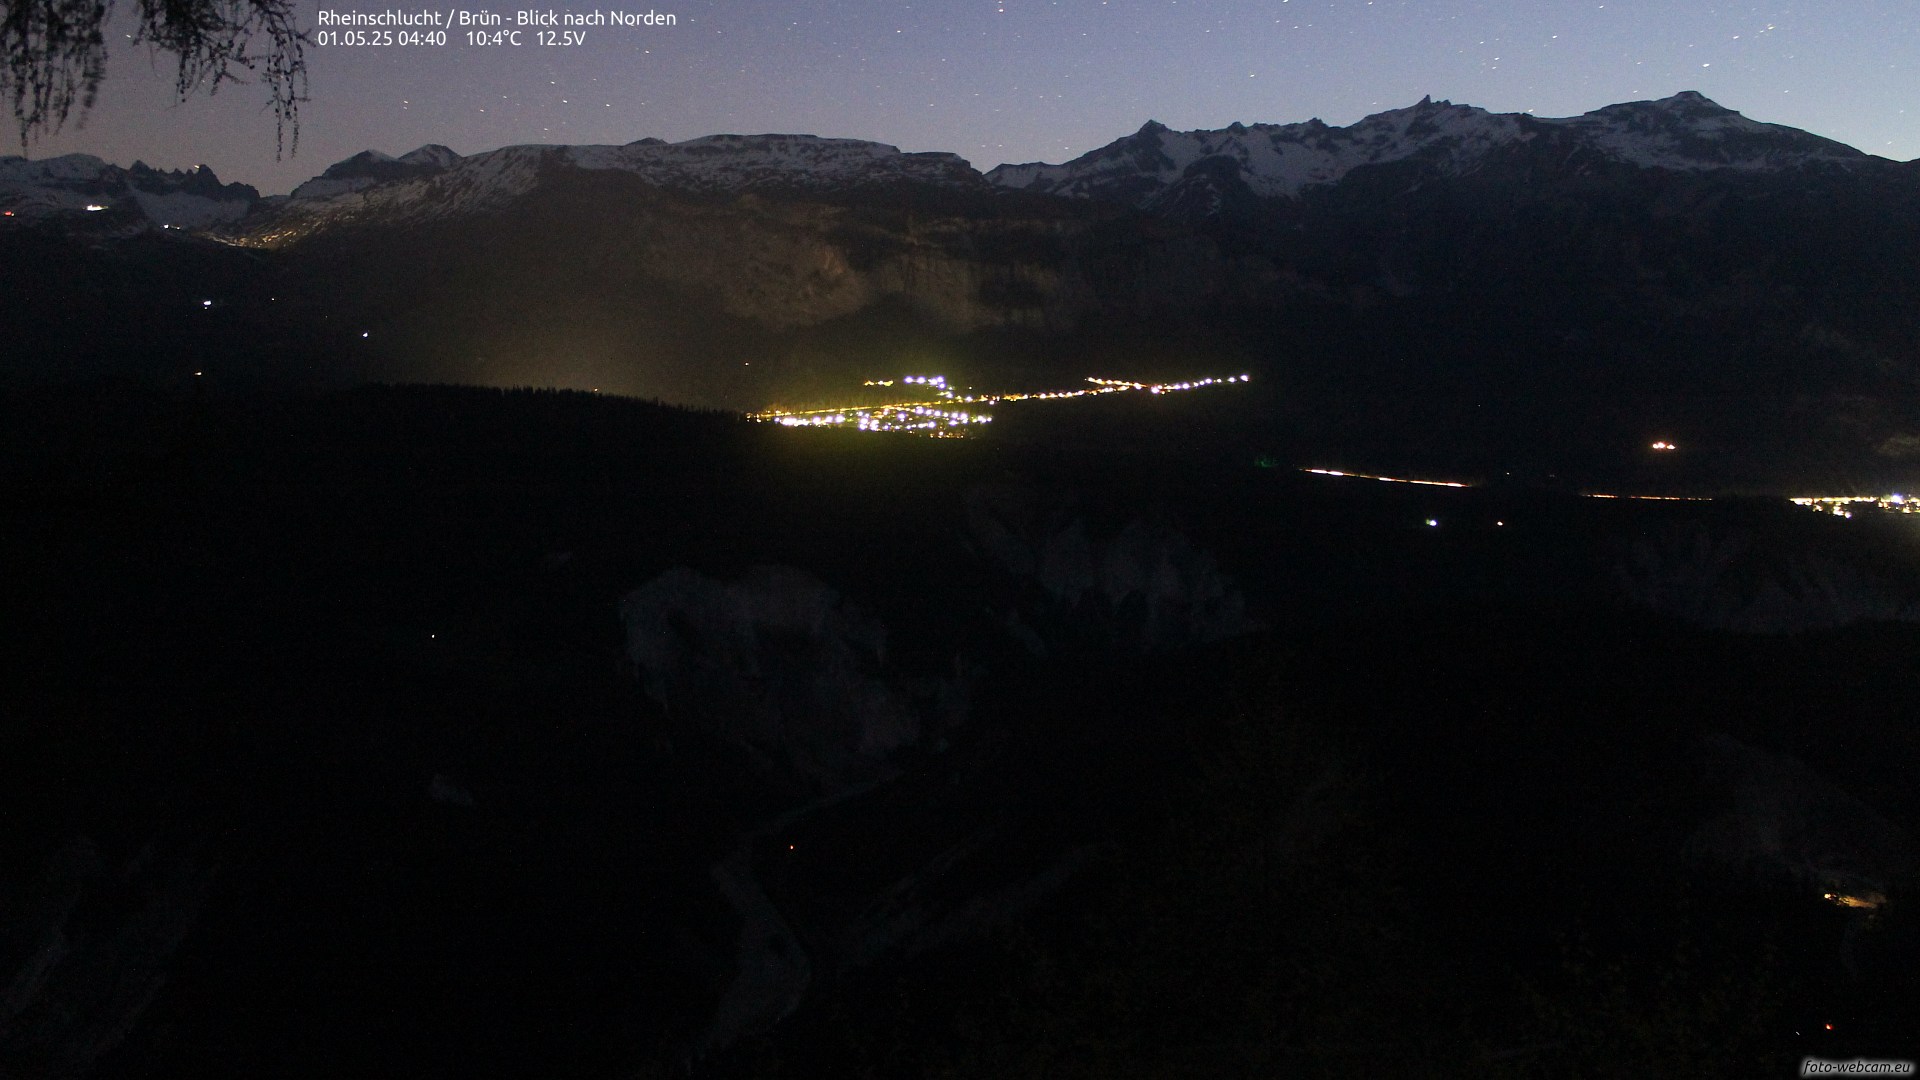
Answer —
780 262
1144 588
779 665
434 183
783 262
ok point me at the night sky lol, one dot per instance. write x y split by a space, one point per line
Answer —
1025 80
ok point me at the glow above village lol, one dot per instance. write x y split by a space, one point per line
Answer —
948 413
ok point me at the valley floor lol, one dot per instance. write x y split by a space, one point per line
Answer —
325 756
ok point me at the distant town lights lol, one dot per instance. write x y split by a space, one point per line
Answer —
1840 506
1664 445
938 419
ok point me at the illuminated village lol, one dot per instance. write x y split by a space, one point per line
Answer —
941 417
1845 505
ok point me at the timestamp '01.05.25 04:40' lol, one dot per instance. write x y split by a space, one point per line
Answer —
378 38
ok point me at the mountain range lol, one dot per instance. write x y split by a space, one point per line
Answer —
1436 282
1188 174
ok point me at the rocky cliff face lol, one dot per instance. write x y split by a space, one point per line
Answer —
778 665
751 233
434 184
1749 583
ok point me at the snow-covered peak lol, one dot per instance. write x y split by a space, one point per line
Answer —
68 168
432 154
1686 131
1272 159
1691 132
371 167
136 197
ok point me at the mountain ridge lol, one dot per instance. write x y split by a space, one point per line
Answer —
1185 174
1685 132
1465 284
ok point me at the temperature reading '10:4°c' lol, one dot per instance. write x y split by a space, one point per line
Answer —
538 37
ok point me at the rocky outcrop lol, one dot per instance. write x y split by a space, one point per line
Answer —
1736 580
781 666
870 862
1772 816
1145 587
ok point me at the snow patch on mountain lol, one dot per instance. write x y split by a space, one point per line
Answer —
185 210
432 154
370 168
1686 131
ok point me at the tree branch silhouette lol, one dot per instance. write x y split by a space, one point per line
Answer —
53 55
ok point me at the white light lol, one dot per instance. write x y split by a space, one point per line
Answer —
1433 523
206 303
94 206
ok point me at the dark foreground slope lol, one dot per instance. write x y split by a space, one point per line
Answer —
325 757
